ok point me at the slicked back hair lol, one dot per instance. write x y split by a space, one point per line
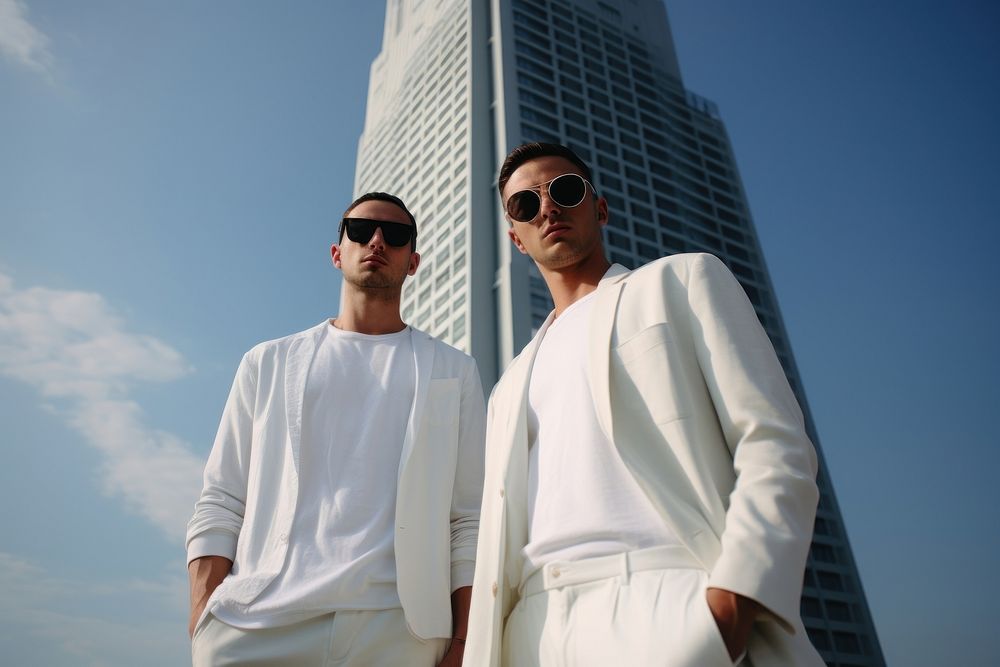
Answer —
386 197
537 149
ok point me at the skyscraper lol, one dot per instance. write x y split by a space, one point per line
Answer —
460 82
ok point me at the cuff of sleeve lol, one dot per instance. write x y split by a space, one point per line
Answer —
767 607
212 543
462 572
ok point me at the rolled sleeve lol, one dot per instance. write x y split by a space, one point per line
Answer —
468 486
218 516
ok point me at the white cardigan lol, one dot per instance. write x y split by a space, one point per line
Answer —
251 479
686 384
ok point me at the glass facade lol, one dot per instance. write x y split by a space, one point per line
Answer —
419 152
461 82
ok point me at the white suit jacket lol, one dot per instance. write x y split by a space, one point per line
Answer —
251 480
686 384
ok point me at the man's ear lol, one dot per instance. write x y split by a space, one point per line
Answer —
602 211
414 263
335 255
517 242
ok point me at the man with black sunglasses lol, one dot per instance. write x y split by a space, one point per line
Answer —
650 488
339 515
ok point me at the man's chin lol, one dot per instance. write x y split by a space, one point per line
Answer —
374 281
560 257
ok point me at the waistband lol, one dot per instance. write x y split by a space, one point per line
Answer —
568 573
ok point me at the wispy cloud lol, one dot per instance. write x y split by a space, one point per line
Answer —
21 41
76 351
72 622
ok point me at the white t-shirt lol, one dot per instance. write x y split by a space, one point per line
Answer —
582 500
357 402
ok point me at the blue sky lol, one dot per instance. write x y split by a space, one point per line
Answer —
170 178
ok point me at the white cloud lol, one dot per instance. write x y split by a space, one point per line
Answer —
60 620
20 40
73 348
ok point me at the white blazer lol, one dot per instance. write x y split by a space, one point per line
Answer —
686 384
251 480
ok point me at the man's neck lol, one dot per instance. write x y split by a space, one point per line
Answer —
369 314
570 284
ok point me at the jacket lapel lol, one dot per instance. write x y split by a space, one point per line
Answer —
423 364
602 323
300 357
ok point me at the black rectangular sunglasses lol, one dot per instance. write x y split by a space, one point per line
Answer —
361 230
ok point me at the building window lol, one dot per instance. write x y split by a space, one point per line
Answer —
600 112
536 84
575 116
819 638
571 84
572 100
562 23
823 553
810 607
535 53
608 147
619 241
609 181
847 642
642 213
603 128
574 132
607 163
830 581
532 133
838 611
544 103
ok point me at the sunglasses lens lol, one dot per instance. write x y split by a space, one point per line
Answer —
568 190
523 206
360 231
396 234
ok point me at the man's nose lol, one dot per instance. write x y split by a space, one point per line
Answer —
548 208
377 241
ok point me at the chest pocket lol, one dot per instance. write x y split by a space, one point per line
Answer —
647 376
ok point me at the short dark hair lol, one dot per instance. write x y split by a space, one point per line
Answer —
386 197
537 149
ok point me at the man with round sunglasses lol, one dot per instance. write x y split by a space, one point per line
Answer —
339 515
650 488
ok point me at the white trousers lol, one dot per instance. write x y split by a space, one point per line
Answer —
344 639
642 608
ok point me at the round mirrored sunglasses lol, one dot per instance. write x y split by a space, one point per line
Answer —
566 190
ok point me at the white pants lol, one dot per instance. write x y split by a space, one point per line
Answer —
344 639
642 608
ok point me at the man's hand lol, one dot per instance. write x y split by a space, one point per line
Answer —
453 656
734 614
205 575
461 600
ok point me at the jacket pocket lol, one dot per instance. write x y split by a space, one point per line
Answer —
647 378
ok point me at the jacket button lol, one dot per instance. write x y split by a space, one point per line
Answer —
494 589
